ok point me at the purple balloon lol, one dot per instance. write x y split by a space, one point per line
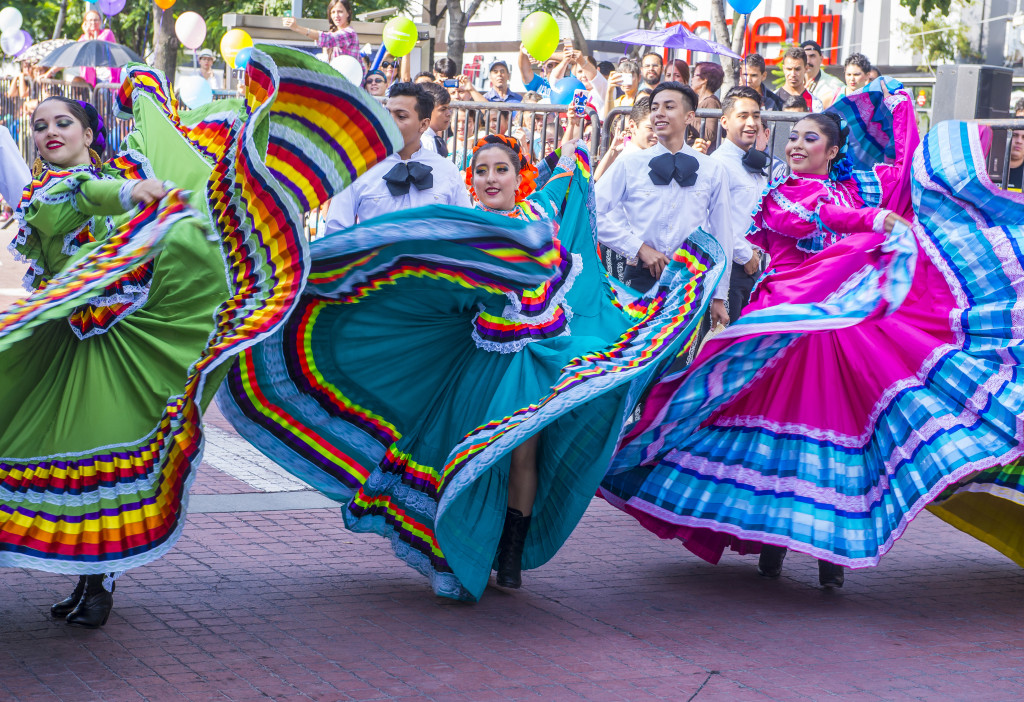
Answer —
28 43
110 7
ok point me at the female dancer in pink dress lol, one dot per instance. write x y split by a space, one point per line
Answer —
862 383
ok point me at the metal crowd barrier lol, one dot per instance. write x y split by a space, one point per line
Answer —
999 155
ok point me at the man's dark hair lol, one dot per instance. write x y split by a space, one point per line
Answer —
605 68
712 73
654 54
858 60
793 102
423 74
687 91
796 53
446 67
424 100
739 93
641 108
440 95
1018 107
756 61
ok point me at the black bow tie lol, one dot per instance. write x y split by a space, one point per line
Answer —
682 168
442 145
755 161
409 172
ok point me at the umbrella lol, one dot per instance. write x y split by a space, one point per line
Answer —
36 52
93 53
675 37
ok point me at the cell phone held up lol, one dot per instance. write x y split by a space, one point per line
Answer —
450 83
579 102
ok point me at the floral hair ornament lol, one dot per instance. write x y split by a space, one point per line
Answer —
841 169
527 170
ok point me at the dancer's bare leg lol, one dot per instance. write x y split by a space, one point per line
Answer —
522 479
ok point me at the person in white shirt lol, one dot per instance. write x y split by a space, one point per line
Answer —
436 137
747 169
413 177
638 134
653 200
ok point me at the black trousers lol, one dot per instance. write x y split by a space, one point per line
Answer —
740 286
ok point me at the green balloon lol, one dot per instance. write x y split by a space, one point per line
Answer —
540 35
400 36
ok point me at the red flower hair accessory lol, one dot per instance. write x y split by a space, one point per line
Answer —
527 170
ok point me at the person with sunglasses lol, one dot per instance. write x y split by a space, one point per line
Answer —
376 83
339 39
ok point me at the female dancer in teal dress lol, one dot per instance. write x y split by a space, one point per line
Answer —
457 378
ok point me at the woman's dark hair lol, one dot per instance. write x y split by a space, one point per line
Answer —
87 116
860 61
712 73
424 100
331 27
683 67
513 157
831 127
446 67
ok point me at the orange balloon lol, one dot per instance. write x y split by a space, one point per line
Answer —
164 4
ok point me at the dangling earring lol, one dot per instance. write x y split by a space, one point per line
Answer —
95 157
37 167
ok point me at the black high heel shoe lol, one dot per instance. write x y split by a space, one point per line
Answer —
769 565
830 574
94 607
60 610
510 549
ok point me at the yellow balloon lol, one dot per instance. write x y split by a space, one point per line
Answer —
232 42
400 36
540 35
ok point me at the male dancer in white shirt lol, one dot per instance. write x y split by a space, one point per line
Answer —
435 137
747 168
413 177
653 200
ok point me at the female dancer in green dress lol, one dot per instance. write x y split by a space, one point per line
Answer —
109 362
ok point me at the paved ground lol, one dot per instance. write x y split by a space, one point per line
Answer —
267 596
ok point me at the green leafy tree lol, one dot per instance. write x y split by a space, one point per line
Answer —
651 14
926 7
937 40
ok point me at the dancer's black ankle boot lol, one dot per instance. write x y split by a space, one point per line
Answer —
510 549
830 574
60 610
94 606
769 564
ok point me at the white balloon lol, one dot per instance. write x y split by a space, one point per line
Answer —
12 42
10 20
195 91
190 27
349 67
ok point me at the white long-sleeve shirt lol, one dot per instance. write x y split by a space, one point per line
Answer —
369 196
632 210
745 190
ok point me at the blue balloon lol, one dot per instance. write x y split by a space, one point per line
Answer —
561 92
195 91
744 7
242 58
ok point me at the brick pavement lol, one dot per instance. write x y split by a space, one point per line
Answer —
288 605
